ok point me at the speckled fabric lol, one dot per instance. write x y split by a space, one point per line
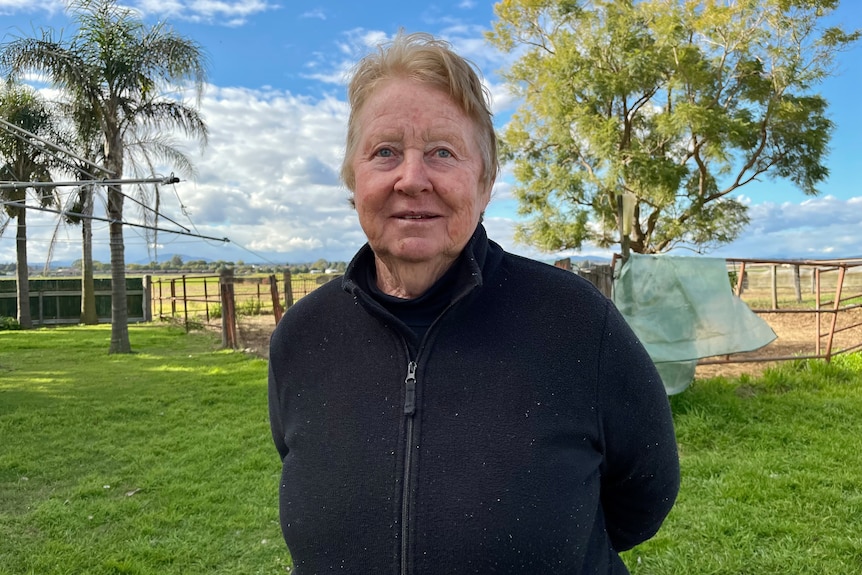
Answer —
526 432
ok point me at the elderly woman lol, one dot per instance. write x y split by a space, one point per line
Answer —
449 407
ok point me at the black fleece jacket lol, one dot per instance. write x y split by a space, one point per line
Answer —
528 432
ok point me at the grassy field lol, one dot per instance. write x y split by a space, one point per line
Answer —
160 462
758 293
771 475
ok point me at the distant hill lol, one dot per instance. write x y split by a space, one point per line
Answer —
161 258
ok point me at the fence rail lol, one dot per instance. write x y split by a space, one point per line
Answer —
200 299
827 291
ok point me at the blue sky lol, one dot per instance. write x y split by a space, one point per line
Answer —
276 110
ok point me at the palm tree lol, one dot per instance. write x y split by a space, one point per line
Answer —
117 67
143 153
21 107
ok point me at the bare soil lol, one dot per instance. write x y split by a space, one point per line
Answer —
797 337
253 333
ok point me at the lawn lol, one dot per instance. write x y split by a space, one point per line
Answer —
771 475
160 462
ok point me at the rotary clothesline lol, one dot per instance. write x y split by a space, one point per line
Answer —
52 149
110 221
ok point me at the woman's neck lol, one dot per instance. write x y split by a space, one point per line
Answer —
408 280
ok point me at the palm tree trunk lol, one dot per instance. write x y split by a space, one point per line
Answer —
88 293
23 275
119 305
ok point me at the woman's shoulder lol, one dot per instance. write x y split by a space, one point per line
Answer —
317 305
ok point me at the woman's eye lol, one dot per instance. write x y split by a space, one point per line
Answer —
443 153
384 153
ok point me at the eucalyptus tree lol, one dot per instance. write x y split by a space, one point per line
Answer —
23 162
130 76
675 103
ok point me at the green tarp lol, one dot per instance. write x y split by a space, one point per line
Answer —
683 309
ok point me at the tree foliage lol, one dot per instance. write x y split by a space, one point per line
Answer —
677 102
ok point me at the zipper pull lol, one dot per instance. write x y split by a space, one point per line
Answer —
410 383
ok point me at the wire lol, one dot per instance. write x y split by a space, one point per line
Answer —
90 217
255 254
50 153
50 149
10 185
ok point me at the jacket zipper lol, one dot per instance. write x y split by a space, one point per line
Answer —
409 410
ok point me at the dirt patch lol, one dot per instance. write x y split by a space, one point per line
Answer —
797 337
253 333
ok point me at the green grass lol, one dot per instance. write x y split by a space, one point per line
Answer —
771 475
160 462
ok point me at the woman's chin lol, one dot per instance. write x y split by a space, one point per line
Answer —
417 251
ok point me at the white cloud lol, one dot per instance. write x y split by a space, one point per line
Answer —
316 13
29 6
270 174
225 12
814 228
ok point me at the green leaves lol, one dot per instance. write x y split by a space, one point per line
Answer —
679 102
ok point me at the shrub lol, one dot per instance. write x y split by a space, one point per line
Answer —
249 307
8 323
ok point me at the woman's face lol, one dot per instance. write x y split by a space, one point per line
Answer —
417 164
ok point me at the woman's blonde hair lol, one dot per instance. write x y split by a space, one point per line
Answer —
427 60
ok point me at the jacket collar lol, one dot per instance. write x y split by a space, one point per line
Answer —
472 263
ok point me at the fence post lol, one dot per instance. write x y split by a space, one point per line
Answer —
206 300
797 283
774 269
185 304
161 311
277 308
228 309
147 299
817 311
288 290
173 297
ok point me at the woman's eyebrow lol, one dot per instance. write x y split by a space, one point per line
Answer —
450 136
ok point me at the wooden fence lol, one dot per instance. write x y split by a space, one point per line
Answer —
197 300
827 293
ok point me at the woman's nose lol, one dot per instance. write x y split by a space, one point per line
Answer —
413 174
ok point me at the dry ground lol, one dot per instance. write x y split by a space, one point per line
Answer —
797 335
